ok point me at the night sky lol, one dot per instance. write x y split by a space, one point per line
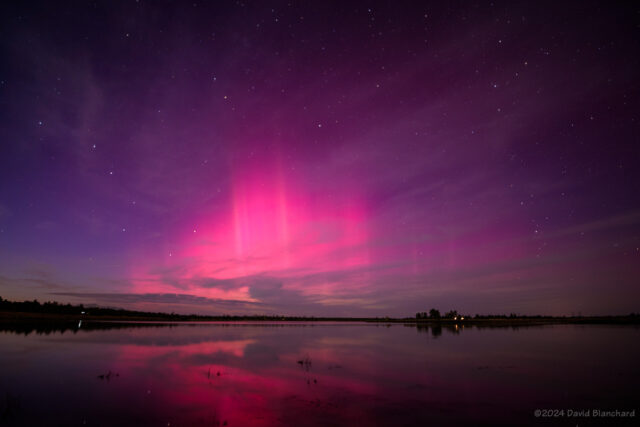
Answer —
319 158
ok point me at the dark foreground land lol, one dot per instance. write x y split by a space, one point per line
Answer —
34 311
9 316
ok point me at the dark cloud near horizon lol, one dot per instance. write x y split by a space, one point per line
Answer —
131 298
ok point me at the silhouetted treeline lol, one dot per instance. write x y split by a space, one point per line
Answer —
453 315
25 309
435 314
52 307
80 311
36 307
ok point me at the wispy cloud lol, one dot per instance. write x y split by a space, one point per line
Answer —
163 299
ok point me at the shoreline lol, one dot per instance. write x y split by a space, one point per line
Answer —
10 317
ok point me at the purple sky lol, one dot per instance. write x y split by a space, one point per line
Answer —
354 158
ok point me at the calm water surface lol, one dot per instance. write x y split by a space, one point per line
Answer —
243 374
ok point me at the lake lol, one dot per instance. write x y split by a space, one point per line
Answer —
316 374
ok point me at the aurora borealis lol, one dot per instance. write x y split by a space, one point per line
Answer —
321 158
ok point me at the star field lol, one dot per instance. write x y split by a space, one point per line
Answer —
328 158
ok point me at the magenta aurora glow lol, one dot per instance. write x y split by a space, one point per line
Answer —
338 159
